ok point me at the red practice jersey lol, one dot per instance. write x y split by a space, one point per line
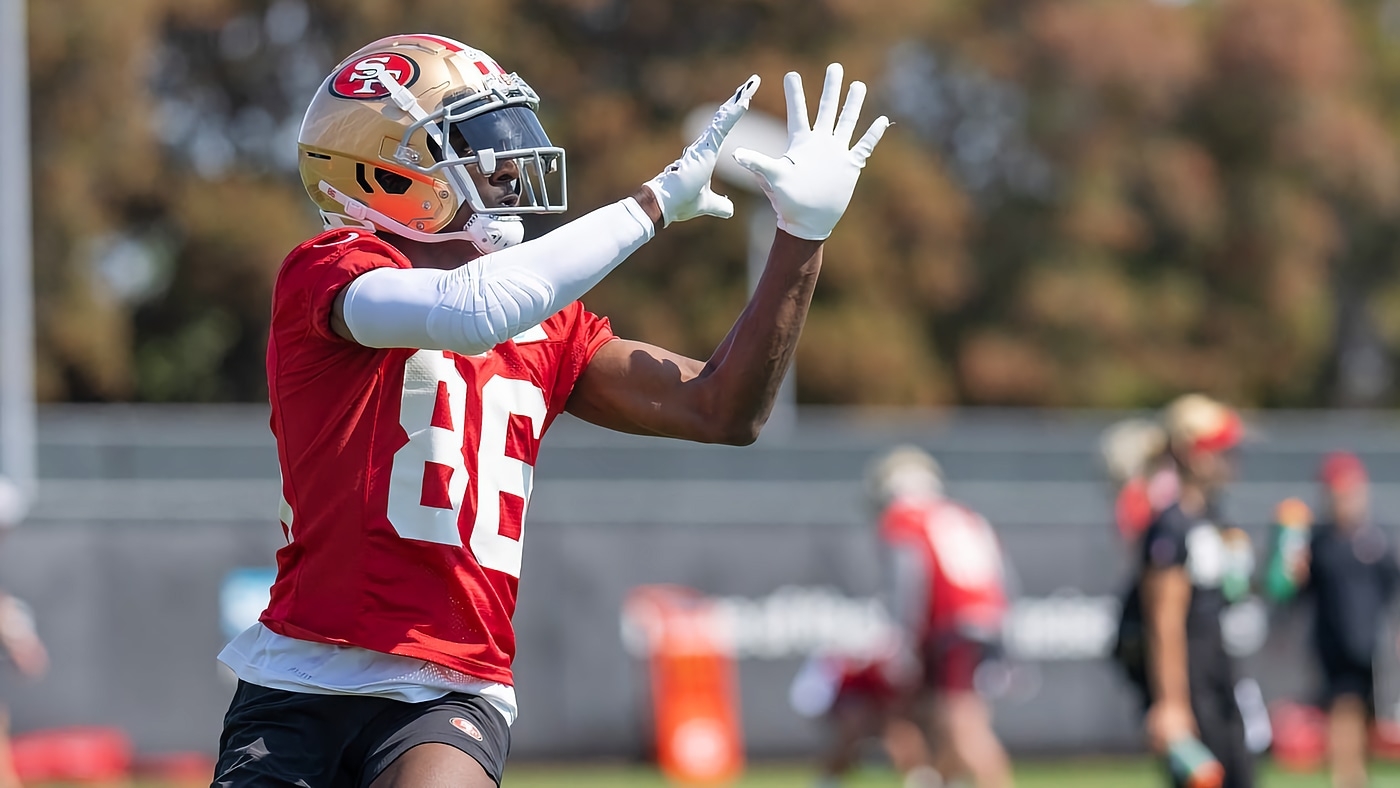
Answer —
406 473
965 572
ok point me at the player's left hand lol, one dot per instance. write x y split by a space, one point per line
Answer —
683 189
811 184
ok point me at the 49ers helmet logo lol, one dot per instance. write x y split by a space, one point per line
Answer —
359 79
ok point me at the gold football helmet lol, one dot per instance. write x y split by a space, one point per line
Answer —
389 136
1197 423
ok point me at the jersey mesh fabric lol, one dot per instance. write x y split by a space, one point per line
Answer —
350 573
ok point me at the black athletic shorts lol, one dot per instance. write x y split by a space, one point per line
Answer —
951 661
279 738
1341 678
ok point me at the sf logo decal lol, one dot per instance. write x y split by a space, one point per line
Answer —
362 78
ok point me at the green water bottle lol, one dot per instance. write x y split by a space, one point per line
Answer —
1291 533
1193 764
1239 564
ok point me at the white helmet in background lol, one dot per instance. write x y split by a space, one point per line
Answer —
13 506
902 472
1127 447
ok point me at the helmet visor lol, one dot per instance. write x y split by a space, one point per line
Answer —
505 129
511 137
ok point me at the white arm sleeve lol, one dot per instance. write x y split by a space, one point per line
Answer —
473 308
908 586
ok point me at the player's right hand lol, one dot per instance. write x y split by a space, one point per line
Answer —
811 184
683 189
1167 721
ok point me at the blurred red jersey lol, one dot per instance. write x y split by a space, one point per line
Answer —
406 473
868 677
965 580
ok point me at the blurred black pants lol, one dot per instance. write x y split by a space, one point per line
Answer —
1222 732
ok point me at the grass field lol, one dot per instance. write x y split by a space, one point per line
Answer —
1057 774
1087 773
1062 774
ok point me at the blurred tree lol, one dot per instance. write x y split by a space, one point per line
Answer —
1209 189
155 241
1086 202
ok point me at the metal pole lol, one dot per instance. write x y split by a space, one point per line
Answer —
17 433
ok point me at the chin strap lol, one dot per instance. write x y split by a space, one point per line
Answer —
487 233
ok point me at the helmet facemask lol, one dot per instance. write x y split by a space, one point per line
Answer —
489 129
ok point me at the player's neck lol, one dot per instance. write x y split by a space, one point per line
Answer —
1193 499
446 255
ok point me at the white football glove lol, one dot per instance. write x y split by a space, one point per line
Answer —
811 185
683 189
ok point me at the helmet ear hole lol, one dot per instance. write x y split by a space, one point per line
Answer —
391 182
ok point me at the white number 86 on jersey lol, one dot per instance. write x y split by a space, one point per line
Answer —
429 477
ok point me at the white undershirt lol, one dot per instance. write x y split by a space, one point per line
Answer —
262 657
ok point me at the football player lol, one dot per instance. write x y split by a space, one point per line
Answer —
949 596
418 352
862 696
19 640
1188 576
1348 566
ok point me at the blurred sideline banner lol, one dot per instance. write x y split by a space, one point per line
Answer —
155 530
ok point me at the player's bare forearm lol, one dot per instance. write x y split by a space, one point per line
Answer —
634 387
1166 597
748 367
642 389
646 198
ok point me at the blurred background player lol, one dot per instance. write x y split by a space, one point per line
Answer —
862 697
948 597
21 643
1349 568
1184 586
18 638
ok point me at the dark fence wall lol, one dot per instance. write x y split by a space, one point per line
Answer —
145 512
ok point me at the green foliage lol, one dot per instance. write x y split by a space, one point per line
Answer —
1083 202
